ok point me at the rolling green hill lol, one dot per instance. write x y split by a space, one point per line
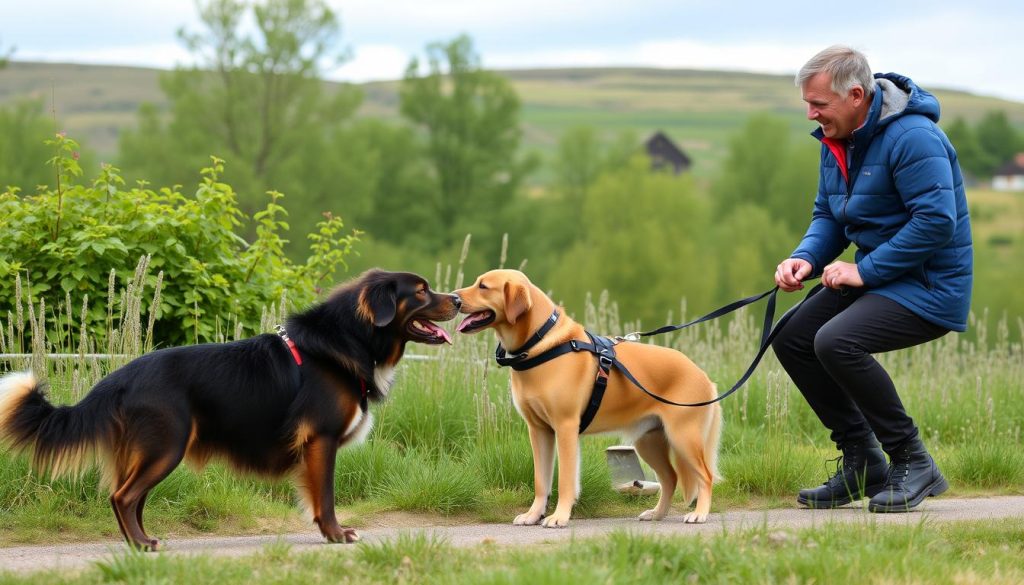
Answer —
698 109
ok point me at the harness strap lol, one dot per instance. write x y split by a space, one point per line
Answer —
526 364
604 349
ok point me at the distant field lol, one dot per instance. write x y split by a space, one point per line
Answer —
700 110
996 217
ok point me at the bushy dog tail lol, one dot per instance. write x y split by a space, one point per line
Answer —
63 439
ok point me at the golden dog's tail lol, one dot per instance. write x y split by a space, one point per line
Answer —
711 441
700 467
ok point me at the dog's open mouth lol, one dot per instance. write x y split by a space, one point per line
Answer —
476 321
428 332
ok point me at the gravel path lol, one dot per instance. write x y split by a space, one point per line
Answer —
75 556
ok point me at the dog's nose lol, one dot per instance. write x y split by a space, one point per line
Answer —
457 301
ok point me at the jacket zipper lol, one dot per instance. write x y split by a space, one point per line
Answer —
849 183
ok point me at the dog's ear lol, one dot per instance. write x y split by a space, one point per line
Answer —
517 301
381 302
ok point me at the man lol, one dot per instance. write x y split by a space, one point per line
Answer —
890 184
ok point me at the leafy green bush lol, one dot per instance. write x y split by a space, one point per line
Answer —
64 243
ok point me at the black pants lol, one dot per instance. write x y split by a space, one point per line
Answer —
826 349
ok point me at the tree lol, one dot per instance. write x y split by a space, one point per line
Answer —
23 131
763 168
646 242
470 118
973 160
997 138
581 158
5 57
254 97
577 162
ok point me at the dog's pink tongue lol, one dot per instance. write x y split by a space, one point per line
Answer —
438 331
469 320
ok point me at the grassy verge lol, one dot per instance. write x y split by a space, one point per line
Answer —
970 552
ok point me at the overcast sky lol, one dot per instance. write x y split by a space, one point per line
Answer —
976 45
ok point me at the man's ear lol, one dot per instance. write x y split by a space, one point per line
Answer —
517 301
858 94
382 302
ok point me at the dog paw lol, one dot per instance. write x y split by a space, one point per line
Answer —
695 518
527 519
149 545
343 535
556 520
651 514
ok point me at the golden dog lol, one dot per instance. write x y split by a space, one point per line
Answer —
680 444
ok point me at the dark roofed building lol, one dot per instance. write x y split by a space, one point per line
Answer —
664 154
1010 176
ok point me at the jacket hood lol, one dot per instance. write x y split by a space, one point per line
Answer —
899 97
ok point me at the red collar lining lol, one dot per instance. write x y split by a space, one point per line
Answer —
838 149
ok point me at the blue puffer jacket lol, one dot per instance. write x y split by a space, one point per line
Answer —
904 207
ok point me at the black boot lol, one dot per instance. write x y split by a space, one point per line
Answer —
913 476
860 472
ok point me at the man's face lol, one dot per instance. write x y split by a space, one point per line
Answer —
837 115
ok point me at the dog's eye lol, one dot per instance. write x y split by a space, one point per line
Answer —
483 286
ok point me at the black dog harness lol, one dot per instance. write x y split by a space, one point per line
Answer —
604 349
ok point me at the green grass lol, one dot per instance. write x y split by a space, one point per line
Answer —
869 553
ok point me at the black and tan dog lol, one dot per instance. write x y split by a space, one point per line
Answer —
680 444
269 404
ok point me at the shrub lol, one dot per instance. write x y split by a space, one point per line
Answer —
64 243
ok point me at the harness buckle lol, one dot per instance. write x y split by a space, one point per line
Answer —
605 361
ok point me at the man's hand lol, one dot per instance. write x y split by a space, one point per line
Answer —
790 272
839 274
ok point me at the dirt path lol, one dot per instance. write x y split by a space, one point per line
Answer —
73 556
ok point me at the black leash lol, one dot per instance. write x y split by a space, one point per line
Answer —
768 334
713 315
603 348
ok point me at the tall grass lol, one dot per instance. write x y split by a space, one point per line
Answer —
448 440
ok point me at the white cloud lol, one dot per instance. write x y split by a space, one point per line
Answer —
372 62
667 53
399 15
